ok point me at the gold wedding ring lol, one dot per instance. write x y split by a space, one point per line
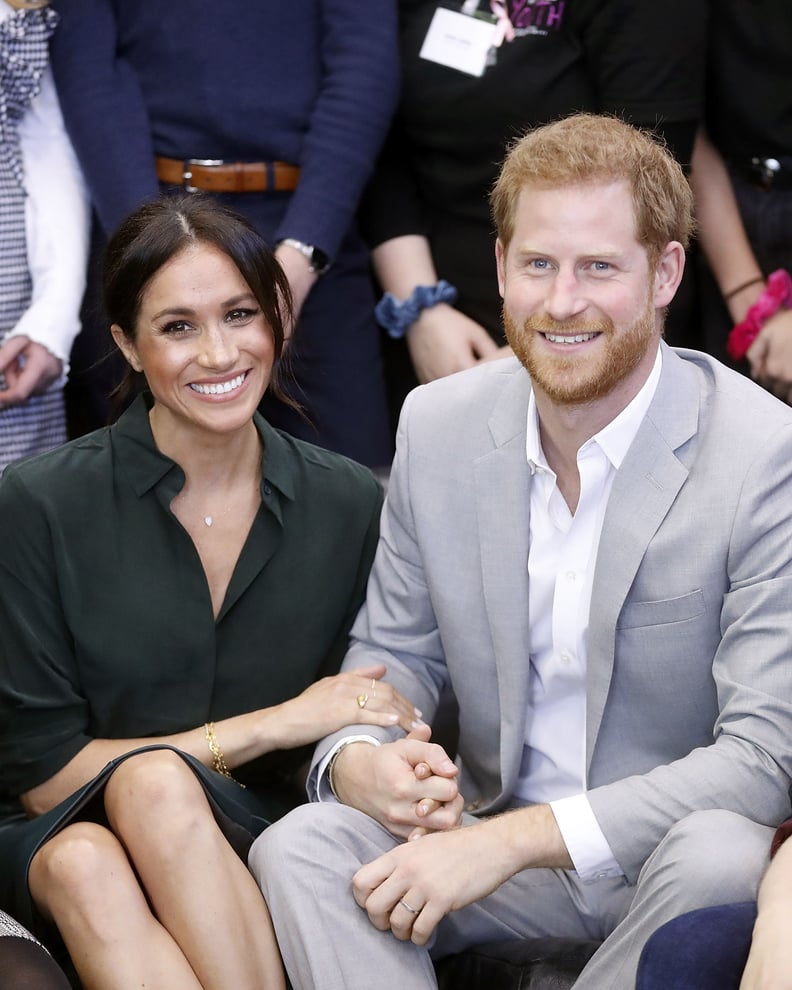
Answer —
361 700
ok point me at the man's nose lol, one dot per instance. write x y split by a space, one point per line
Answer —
564 298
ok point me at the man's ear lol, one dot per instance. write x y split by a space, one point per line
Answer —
126 346
500 261
668 274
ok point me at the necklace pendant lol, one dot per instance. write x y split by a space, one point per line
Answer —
208 520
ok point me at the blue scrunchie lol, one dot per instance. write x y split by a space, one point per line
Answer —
397 317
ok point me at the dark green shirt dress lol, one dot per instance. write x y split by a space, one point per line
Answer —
106 623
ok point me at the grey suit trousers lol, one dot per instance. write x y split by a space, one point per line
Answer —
305 864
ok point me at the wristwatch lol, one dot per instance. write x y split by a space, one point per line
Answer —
318 260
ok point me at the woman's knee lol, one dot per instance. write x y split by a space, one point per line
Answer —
153 786
74 864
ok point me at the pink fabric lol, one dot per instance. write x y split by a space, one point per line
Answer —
777 294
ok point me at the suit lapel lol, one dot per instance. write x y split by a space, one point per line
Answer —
502 481
644 490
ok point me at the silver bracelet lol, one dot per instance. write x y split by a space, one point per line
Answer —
331 764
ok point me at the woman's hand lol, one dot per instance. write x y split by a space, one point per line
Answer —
357 697
29 369
442 341
770 355
352 698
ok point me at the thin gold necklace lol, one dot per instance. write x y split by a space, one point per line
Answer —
210 518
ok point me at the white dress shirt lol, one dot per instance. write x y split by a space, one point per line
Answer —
561 561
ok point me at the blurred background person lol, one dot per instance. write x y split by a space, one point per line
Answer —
281 109
740 946
43 237
742 180
426 210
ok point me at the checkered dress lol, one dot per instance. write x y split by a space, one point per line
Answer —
39 423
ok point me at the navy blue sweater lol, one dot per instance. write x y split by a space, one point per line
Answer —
313 82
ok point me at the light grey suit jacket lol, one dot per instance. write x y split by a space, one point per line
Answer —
689 670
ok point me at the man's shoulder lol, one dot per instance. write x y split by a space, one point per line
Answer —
472 393
735 401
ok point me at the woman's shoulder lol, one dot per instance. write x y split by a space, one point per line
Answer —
61 469
297 466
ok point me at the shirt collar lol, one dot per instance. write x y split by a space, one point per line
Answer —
146 466
614 439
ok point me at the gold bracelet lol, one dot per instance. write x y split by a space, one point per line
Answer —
218 760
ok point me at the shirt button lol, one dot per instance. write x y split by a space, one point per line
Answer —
565 657
267 488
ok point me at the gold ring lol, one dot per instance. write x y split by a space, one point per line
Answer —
361 700
412 910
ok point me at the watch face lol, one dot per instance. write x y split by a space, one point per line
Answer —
319 261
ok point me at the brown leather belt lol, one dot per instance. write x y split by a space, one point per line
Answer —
218 176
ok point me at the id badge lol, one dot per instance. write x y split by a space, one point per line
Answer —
458 41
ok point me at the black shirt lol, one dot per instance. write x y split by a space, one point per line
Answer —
749 83
640 59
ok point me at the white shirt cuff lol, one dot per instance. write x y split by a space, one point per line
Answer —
587 846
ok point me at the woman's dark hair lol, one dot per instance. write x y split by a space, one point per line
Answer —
157 232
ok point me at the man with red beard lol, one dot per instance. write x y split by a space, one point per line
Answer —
590 545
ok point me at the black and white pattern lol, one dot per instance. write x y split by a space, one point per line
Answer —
12 928
40 422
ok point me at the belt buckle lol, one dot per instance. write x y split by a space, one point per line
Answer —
767 170
187 165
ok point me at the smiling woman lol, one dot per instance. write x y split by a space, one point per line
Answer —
185 253
175 596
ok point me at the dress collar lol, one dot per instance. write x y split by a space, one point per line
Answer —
146 466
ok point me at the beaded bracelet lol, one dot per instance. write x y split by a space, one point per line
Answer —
218 760
777 294
397 317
